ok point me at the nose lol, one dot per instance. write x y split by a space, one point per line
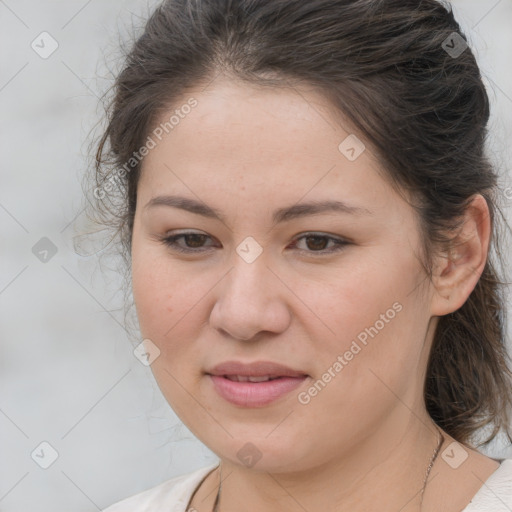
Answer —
250 300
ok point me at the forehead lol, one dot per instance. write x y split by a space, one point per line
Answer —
272 142
238 119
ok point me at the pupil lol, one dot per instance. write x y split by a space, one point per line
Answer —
188 237
322 241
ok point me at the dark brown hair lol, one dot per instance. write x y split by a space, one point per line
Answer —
385 67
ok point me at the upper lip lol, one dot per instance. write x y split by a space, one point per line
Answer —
255 369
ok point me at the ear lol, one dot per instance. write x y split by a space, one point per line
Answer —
457 271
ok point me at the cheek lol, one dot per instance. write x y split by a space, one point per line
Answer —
375 321
168 300
166 316
156 290
356 300
151 296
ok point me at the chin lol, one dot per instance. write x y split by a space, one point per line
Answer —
260 453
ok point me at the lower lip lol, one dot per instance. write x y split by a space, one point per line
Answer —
254 394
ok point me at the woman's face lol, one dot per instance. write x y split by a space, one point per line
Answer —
260 284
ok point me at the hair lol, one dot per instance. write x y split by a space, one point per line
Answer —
384 67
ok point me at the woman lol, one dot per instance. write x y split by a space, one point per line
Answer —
304 200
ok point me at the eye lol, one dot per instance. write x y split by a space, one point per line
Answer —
194 243
190 237
318 242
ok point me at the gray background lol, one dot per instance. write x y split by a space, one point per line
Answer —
68 375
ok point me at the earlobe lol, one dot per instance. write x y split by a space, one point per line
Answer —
458 270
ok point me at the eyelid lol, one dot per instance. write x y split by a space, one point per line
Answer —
170 241
339 244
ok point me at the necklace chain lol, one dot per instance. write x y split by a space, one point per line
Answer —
431 463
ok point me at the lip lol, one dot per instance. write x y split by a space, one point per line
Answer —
255 369
254 394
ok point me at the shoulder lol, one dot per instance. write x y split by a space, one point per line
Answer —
172 495
495 495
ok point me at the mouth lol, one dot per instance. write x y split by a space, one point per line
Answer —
266 369
256 384
250 378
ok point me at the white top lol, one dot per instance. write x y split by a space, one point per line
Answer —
173 495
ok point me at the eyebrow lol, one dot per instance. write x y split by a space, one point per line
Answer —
280 215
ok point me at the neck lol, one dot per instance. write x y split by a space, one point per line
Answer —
385 471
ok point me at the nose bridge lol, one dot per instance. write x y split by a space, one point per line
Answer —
248 276
249 268
249 272
250 299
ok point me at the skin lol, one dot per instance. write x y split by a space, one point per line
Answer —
365 441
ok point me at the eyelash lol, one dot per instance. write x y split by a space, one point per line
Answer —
170 241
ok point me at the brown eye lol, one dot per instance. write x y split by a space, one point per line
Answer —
194 239
317 243
193 242
314 243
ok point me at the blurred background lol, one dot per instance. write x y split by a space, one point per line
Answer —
82 421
